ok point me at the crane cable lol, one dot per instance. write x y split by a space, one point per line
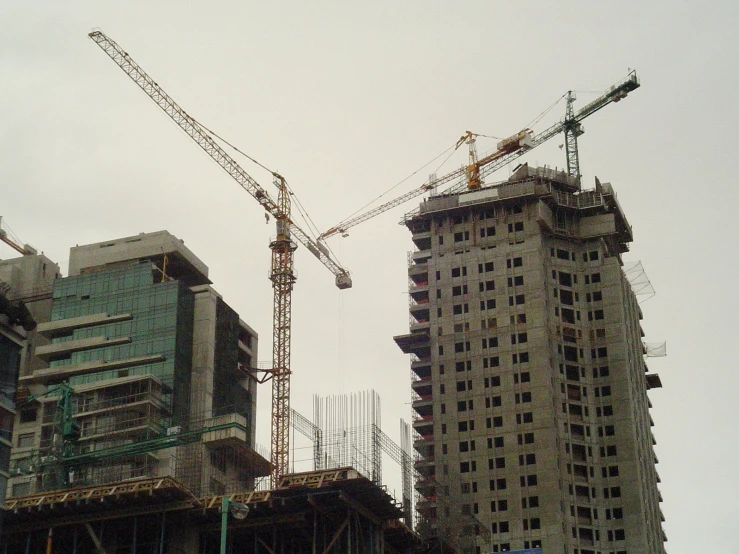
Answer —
545 112
11 235
452 148
234 147
312 227
309 222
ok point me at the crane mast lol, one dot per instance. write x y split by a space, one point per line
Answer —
283 247
572 129
282 276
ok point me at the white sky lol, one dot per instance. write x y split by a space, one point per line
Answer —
346 99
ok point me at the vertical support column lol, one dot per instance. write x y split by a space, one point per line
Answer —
224 522
406 472
572 130
135 532
376 453
315 529
282 277
161 534
349 532
317 447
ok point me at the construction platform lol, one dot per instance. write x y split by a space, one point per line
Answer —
336 510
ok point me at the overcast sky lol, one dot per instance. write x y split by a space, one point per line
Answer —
346 99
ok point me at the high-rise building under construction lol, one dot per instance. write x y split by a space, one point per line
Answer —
142 371
530 385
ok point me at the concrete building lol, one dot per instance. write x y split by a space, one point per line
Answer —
25 297
12 344
530 382
142 371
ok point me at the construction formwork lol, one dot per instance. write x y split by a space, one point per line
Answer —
330 511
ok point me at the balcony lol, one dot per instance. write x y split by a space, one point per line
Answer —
418 274
61 350
422 387
419 311
425 466
422 240
422 420
123 427
419 293
421 366
418 226
414 343
56 374
426 506
425 434
427 487
424 407
64 327
420 326
421 256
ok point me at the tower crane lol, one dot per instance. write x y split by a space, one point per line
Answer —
283 246
472 175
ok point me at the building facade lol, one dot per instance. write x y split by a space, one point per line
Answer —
143 371
12 343
530 385
25 298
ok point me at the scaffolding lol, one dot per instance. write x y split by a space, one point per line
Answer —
127 432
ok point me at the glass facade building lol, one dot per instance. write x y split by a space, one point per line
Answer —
161 323
157 371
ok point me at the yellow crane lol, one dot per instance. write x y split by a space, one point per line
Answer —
7 237
471 175
283 246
